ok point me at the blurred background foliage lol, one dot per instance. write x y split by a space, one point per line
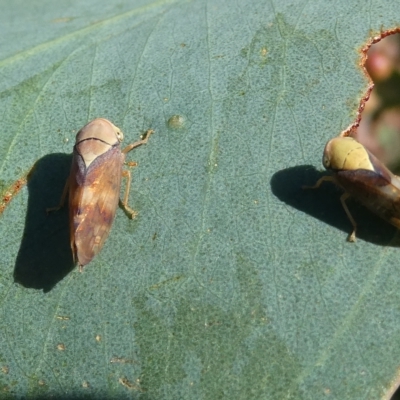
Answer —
379 129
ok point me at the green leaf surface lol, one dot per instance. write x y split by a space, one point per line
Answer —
232 282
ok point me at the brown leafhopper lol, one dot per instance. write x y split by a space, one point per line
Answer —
94 187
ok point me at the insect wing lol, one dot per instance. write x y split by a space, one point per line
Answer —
93 201
377 189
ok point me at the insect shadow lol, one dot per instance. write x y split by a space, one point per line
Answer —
324 204
45 257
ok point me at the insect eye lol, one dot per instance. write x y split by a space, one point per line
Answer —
326 161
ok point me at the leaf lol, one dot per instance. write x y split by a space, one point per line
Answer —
232 282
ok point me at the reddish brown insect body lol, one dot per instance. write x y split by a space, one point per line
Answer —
94 187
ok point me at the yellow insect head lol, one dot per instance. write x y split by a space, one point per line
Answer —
345 153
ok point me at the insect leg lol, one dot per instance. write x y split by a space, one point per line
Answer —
130 147
124 203
62 200
326 178
343 198
126 174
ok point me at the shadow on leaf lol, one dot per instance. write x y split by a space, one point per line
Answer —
324 204
45 257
